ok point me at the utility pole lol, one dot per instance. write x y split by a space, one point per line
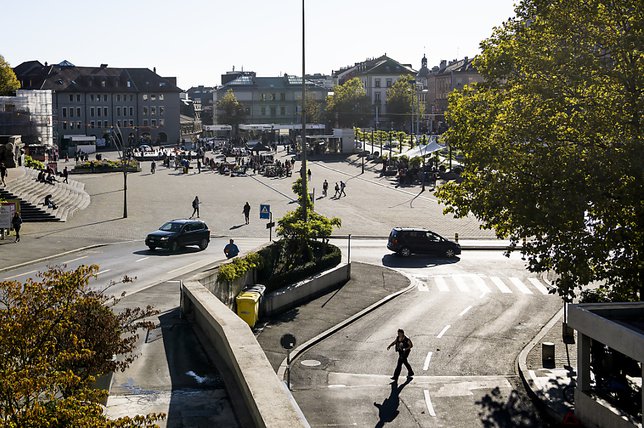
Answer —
305 188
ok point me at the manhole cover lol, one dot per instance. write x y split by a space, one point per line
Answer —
310 363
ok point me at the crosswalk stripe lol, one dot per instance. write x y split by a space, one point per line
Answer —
460 283
500 285
520 285
480 283
537 284
441 284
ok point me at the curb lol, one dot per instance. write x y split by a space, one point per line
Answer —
281 372
526 376
53 256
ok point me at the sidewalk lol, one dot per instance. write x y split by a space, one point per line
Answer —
551 386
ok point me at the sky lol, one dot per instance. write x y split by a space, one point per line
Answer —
198 40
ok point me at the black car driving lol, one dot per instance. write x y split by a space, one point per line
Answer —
407 241
179 233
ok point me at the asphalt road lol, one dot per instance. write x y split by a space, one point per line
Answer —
468 317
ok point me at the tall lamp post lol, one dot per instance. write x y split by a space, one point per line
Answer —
117 140
305 189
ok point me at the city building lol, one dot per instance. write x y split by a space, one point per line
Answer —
28 114
91 100
269 100
202 102
377 75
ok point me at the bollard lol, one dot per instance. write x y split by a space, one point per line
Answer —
456 237
548 354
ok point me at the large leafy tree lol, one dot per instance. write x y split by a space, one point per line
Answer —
552 141
8 80
56 337
401 101
229 110
349 105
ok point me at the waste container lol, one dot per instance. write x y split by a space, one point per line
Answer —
248 303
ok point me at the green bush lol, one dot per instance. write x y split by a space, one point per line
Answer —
33 163
238 267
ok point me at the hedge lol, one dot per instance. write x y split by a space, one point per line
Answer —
33 163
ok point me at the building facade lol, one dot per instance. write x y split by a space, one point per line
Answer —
28 114
269 100
92 100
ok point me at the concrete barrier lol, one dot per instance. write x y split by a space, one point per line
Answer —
293 295
265 400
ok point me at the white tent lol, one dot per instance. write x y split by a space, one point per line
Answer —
423 150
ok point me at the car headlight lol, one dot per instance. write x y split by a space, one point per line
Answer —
164 238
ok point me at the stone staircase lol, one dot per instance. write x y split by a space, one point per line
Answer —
68 197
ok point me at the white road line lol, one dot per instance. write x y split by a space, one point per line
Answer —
428 402
537 284
103 271
480 283
427 360
441 284
465 311
73 260
21 274
183 267
500 285
443 331
140 260
520 285
460 283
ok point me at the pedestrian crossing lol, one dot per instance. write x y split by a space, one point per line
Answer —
481 284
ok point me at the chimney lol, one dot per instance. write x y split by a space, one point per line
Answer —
154 70
46 64
103 65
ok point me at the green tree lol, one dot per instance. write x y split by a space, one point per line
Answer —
313 109
230 111
349 105
401 101
552 141
8 80
57 336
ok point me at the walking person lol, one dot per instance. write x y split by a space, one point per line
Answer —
199 165
309 174
16 222
195 207
325 188
403 346
153 167
246 212
342 186
337 190
65 176
3 173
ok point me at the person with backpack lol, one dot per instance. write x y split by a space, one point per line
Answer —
403 346
342 186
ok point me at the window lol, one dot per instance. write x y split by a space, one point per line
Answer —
78 125
262 97
376 83
91 111
160 97
118 123
131 111
91 97
145 97
283 96
377 97
71 98
118 97
282 110
102 83
263 110
273 110
153 97
105 97
78 97
131 123
389 83
71 112
105 124
161 122
145 111
273 98
64 125
154 122
129 85
78 112
91 124
105 111
153 111
64 111
161 110
145 122
118 111
131 97
98 111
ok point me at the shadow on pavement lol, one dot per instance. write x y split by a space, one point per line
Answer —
53 232
388 409
237 226
499 411
416 261
164 252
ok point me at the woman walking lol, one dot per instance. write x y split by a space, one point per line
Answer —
16 222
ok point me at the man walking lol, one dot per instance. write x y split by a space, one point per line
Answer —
195 207
337 191
65 176
403 346
3 173
16 222
325 188
342 186
246 211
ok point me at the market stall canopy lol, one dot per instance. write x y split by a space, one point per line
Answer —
423 150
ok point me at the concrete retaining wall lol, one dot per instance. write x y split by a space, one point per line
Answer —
295 294
265 399
226 292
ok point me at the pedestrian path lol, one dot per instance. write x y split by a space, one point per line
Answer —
481 283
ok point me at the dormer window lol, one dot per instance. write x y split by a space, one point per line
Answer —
102 83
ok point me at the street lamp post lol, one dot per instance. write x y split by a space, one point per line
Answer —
305 189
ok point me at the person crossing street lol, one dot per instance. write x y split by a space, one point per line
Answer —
195 207
246 211
325 188
403 346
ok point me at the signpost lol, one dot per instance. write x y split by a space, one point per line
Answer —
266 214
288 342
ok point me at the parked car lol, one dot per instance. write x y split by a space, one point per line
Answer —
407 241
179 233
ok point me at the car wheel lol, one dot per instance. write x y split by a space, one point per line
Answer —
449 253
203 244
405 252
174 246
152 247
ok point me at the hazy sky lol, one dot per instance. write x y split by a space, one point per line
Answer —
197 40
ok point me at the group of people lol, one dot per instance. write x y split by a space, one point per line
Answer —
339 189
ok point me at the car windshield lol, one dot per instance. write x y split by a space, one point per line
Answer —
171 227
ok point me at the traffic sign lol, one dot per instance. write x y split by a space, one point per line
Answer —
269 225
264 211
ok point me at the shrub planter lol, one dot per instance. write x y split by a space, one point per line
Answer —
104 166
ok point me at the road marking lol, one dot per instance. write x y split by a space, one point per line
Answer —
480 283
140 260
73 260
441 284
465 311
183 267
460 283
500 285
103 271
520 285
428 402
427 360
337 386
22 274
443 331
537 284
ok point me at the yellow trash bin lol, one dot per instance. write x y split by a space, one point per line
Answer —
248 306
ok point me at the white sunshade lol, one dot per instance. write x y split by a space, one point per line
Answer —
423 150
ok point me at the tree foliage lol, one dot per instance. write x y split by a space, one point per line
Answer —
230 110
552 141
56 337
401 101
349 104
8 81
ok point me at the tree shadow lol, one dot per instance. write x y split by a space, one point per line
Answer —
500 411
388 409
416 261
237 226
